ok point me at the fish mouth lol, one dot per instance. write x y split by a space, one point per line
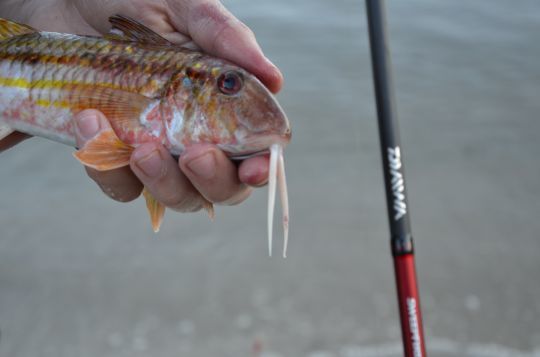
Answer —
239 157
255 146
243 156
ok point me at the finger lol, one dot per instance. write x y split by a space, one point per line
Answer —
160 174
119 184
12 140
213 174
221 34
254 171
181 40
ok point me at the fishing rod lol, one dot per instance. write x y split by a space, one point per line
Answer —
396 197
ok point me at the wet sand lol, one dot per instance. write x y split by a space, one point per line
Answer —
81 275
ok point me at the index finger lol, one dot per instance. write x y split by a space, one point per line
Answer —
219 33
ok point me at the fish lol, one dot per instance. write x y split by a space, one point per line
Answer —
150 90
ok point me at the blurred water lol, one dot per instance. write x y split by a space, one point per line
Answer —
82 275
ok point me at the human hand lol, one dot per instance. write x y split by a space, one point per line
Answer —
202 169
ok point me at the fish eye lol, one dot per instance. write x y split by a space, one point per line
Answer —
230 83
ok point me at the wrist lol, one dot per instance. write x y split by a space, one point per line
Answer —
23 11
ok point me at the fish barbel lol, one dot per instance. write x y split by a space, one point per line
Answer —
148 88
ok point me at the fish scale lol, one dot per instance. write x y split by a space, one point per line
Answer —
126 66
149 89
49 67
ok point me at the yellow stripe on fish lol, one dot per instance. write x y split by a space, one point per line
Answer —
53 103
50 84
149 89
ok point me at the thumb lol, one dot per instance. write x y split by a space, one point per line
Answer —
119 184
88 124
219 33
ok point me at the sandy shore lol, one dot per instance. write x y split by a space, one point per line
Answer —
81 275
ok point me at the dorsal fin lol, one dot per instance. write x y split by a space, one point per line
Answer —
127 29
11 29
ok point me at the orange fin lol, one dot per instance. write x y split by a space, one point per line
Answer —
105 152
127 29
156 210
209 207
11 29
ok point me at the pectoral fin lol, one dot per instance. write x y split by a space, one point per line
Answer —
156 210
105 152
122 108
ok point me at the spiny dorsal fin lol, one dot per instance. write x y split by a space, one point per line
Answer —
127 29
11 29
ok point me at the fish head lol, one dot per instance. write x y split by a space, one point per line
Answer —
223 104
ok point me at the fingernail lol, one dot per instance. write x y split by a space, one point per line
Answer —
271 64
150 163
275 77
255 178
261 182
203 166
87 126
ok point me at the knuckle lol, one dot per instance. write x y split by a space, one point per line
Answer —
209 11
178 200
221 40
186 204
242 27
116 185
234 198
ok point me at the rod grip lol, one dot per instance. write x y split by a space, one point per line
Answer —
409 306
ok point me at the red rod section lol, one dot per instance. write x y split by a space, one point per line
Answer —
409 306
